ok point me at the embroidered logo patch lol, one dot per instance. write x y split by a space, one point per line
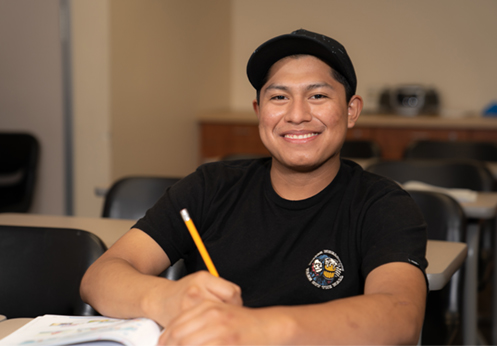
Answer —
325 270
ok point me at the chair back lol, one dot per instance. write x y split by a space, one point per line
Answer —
360 149
131 197
463 174
41 270
19 154
444 216
445 220
482 151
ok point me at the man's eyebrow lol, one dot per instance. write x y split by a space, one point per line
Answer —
276 87
319 85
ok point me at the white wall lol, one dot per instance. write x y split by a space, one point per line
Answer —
31 90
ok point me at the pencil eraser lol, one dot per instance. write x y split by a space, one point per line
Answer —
185 215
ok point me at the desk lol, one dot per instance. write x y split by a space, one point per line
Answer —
444 259
109 230
485 207
10 326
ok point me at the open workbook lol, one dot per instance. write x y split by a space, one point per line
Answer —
56 330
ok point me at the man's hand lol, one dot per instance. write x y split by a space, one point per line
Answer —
216 323
191 291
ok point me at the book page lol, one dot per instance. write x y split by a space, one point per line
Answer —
55 330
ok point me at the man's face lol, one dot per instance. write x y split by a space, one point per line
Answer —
303 114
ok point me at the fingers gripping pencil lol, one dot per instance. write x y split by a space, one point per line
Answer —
198 242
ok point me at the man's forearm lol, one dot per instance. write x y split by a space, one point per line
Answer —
366 319
114 288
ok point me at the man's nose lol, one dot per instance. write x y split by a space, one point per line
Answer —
298 112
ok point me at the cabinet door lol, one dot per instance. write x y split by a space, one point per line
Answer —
219 140
483 135
360 133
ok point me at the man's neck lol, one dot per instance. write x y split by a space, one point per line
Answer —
294 185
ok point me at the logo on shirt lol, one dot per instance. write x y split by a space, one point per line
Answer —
325 270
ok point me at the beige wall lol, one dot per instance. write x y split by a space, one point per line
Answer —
142 71
170 60
91 103
448 44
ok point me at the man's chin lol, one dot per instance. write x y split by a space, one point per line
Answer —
301 165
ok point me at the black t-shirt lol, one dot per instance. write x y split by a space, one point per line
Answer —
283 252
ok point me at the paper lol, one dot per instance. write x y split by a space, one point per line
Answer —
57 330
460 195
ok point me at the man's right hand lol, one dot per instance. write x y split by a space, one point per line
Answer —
169 300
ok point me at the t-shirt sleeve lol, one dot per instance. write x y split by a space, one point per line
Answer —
394 231
163 221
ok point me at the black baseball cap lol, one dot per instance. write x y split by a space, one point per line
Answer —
300 42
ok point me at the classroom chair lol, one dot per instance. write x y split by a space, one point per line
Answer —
131 197
481 151
447 173
452 173
19 154
446 221
41 270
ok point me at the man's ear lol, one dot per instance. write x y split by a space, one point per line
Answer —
354 110
255 105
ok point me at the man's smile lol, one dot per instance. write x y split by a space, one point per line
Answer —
300 136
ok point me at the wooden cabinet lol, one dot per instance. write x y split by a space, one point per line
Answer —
226 133
221 139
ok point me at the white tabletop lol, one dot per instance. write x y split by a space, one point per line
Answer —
444 259
485 206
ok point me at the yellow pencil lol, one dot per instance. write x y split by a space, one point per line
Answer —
198 241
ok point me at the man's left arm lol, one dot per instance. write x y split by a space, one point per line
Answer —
390 311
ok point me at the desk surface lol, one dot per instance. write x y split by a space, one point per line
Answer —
485 206
444 259
109 230
10 326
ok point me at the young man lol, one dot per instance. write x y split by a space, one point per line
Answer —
310 248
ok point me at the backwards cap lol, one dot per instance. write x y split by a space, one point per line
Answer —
299 42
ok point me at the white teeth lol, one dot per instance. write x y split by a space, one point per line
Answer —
308 135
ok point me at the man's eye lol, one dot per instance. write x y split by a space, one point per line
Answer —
278 97
318 96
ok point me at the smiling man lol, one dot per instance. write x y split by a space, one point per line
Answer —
310 248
